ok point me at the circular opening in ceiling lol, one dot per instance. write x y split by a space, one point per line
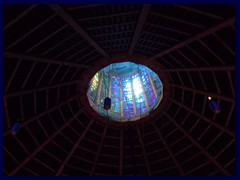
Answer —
134 90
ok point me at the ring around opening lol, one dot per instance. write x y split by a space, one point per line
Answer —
134 89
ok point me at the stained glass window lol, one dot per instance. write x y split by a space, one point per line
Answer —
134 89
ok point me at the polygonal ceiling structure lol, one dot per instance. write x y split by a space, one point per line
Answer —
52 51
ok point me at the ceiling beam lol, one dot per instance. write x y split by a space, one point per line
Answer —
75 26
215 124
198 11
186 58
210 68
58 44
19 16
113 33
99 149
54 75
224 44
107 16
140 137
161 36
194 38
31 31
198 55
74 148
29 75
7 113
42 75
168 29
78 52
232 83
39 148
74 7
25 123
112 25
142 18
169 150
69 48
178 20
23 92
12 76
46 38
203 150
212 52
40 59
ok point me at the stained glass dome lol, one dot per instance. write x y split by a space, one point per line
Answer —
134 89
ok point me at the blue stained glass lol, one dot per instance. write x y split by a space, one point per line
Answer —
115 95
134 89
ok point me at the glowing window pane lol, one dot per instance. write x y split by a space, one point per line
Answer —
134 89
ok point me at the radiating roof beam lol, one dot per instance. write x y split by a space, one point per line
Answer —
216 82
154 42
19 16
231 83
39 59
84 6
199 12
230 115
74 148
12 76
30 32
161 36
224 44
198 167
54 75
194 38
77 52
6 112
106 16
75 26
58 44
29 74
10 154
46 38
205 93
211 51
185 57
176 60
142 18
65 74
111 25
204 151
214 68
99 149
39 148
198 55
168 29
178 20
109 34
69 48
222 128
42 75
166 61
140 137
225 148
42 114
169 150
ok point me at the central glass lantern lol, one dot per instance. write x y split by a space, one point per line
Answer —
134 90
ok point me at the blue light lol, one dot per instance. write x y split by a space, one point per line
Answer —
134 90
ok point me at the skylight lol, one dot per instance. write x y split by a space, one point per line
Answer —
134 89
